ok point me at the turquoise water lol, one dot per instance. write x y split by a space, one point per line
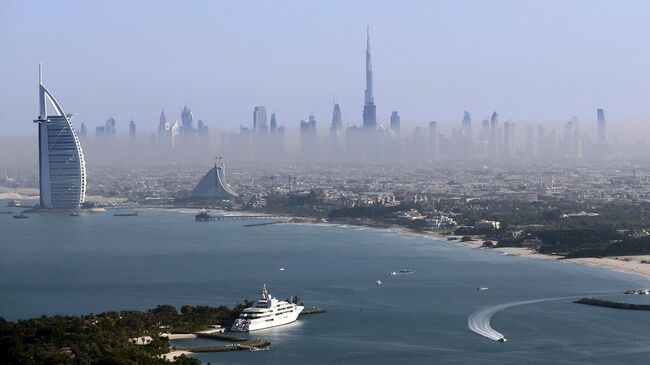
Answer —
57 264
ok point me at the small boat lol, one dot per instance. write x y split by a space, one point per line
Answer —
502 339
13 204
379 282
74 214
20 216
482 288
402 272
256 348
281 269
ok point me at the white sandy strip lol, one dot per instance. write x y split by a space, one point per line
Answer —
171 356
178 336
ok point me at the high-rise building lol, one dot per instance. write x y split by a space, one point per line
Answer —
308 137
495 136
467 137
62 168
337 120
132 129
433 144
395 122
110 128
274 123
187 120
602 133
369 108
83 130
162 122
509 139
259 118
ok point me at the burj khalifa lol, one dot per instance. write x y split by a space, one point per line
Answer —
369 108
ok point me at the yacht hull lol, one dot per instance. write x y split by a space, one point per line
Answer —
244 325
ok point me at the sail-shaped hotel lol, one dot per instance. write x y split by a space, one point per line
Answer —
62 169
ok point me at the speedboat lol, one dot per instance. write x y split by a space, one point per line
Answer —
13 204
502 339
379 282
482 288
255 348
266 312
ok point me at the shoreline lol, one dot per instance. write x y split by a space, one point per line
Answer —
623 264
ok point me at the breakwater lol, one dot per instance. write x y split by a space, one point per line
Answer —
611 304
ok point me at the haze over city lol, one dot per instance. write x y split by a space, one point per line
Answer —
534 62
411 182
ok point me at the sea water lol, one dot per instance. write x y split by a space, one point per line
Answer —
60 264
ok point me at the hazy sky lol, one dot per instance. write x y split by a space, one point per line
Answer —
533 61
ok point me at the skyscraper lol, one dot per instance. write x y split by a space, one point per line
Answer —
509 139
259 118
187 120
467 136
83 132
132 129
337 121
110 128
162 122
308 138
274 123
395 122
369 108
433 139
62 168
602 133
494 139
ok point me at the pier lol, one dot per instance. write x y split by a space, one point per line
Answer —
205 217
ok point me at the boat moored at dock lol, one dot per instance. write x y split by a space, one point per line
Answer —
266 312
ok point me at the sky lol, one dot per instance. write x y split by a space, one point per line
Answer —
532 61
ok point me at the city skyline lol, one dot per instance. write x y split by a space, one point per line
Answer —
426 80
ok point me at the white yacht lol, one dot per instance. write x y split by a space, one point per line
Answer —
266 312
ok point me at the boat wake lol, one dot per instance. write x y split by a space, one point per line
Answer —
479 322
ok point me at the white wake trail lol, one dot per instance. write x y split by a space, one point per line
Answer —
479 322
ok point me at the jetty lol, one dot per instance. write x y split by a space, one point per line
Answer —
611 304
237 343
205 217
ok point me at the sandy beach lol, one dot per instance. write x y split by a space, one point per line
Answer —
627 264
171 356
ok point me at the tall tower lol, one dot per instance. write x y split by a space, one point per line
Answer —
467 136
602 135
162 122
369 108
274 123
132 130
495 138
395 122
259 118
337 121
62 168
434 147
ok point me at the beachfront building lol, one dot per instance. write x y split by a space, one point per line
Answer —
214 185
62 169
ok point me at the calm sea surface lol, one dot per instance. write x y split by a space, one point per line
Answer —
57 264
